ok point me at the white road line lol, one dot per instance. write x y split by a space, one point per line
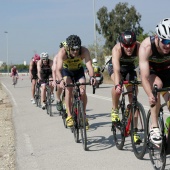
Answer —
110 99
12 97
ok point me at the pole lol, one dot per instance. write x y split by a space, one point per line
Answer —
7 51
94 14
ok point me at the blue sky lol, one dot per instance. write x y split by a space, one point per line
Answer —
40 25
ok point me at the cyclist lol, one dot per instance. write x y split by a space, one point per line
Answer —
59 89
70 65
44 67
33 74
95 66
124 54
14 73
154 62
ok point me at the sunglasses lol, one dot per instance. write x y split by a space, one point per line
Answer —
75 49
165 41
129 46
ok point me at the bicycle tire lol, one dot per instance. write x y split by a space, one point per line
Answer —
119 128
48 102
140 148
82 125
157 154
75 128
63 112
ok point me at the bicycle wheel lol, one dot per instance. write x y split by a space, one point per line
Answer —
119 128
48 102
63 112
82 124
75 128
139 121
157 153
37 95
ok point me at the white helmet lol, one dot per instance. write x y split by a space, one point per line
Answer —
44 56
163 29
94 60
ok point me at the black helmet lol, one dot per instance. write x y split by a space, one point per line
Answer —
73 41
127 37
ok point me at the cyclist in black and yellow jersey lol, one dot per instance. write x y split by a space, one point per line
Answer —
154 62
70 65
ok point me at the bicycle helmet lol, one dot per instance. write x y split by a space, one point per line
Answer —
73 41
94 60
163 29
63 44
127 38
44 56
36 57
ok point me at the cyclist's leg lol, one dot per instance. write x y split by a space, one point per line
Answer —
33 81
154 131
43 94
115 102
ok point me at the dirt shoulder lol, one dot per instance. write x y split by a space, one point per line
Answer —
7 139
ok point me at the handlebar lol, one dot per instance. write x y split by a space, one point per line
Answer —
156 90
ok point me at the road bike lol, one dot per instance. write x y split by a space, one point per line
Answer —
78 114
37 95
48 98
15 79
157 153
132 120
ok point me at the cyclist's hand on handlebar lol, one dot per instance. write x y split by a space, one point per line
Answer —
62 84
152 100
54 83
118 89
92 80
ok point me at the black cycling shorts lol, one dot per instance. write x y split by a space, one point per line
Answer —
76 74
128 73
164 75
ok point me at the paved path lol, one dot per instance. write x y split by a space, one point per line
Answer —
42 142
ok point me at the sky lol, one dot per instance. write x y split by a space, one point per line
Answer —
36 26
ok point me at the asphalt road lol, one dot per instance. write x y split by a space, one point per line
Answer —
42 142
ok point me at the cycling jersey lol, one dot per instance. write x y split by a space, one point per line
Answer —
72 63
34 70
126 60
156 60
159 64
46 71
14 71
127 64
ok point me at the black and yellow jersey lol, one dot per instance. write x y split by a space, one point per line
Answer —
156 60
73 63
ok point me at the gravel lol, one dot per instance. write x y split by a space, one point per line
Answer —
7 134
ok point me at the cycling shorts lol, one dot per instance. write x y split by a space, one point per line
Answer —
110 69
76 74
128 73
164 75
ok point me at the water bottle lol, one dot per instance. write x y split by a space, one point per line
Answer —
167 125
127 110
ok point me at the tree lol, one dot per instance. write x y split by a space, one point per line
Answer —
118 20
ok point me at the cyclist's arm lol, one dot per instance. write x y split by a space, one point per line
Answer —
39 69
60 58
54 68
144 53
30 69
116 54
86 56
